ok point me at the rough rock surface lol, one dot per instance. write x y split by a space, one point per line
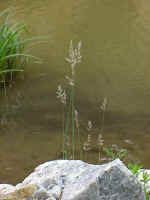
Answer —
6 189
77 180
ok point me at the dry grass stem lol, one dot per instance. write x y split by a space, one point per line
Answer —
90 125
87 146
100 143
104 104
76 118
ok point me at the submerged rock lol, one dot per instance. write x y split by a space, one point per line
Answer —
77 180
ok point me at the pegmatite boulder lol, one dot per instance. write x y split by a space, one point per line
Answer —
77 180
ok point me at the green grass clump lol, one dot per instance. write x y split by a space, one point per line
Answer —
134 168
12 47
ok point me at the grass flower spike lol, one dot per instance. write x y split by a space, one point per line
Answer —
74 56
61 94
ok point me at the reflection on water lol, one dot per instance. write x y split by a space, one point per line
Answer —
116 46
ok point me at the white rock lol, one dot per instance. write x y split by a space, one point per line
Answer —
6 188
77 180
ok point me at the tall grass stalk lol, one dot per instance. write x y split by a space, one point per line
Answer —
73 59
61 94
73 121
78 131
70 120
100 140
66 132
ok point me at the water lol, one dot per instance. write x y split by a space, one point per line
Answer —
116 47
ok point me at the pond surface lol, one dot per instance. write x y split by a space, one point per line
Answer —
116 64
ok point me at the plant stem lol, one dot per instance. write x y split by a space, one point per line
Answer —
66 131
73 122
63 128
103 118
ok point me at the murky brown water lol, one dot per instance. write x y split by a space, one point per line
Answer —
116 65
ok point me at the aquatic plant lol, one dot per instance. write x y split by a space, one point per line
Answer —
12 47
